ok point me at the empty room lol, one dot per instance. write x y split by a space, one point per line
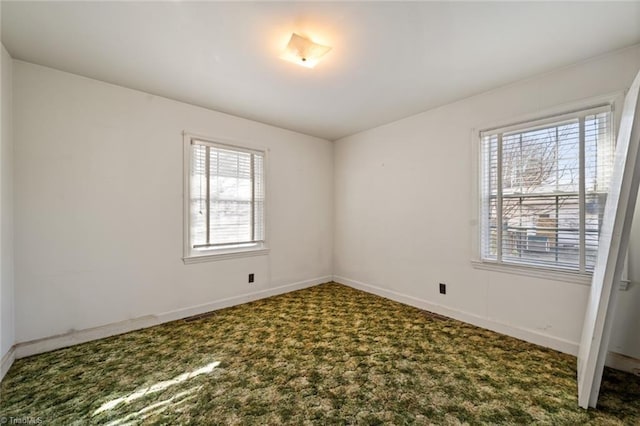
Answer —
319 212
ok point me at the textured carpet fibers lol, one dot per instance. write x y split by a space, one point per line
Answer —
324 355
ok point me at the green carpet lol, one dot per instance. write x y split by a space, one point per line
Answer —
324 355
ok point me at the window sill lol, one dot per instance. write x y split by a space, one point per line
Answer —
215 255
532 271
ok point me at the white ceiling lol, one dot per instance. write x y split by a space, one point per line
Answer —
389 60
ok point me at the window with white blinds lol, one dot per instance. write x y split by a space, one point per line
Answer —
544 186
226 197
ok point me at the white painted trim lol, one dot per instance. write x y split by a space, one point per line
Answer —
477 173
226 141
227 254
188 256
521 333
244 298
186 195
614 100
532 271
34 347
7 361
47 344
623 363
545 120
614 360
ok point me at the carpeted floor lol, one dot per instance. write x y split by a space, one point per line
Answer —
324 355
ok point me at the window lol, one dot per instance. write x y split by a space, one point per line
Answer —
225 199
543 190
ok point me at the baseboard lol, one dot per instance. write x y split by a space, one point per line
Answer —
34 347
528 335
623 363
7 361
244 298
47 344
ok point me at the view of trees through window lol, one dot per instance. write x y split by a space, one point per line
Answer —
544 190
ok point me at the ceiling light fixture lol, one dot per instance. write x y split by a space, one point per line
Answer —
302 51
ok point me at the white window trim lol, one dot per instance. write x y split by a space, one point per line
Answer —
614 100
223 253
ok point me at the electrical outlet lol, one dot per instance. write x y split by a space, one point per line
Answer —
443 288
251 278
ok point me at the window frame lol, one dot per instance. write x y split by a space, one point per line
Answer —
223 252
612 100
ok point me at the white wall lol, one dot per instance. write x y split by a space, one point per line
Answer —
98 209
98 205
404 219
6 207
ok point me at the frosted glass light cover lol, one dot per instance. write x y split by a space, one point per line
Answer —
303 51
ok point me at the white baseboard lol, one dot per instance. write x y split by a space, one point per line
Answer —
528 335
47 344
623 363
243 298
34 347
7 361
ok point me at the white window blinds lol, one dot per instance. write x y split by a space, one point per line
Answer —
226 196
544 186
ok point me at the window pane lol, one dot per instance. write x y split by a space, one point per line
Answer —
230 192
542 161
594 210
599 151
538 205
542 230
227 196
230 222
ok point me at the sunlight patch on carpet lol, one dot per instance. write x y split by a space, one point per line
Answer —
157 408
157 387
328 354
